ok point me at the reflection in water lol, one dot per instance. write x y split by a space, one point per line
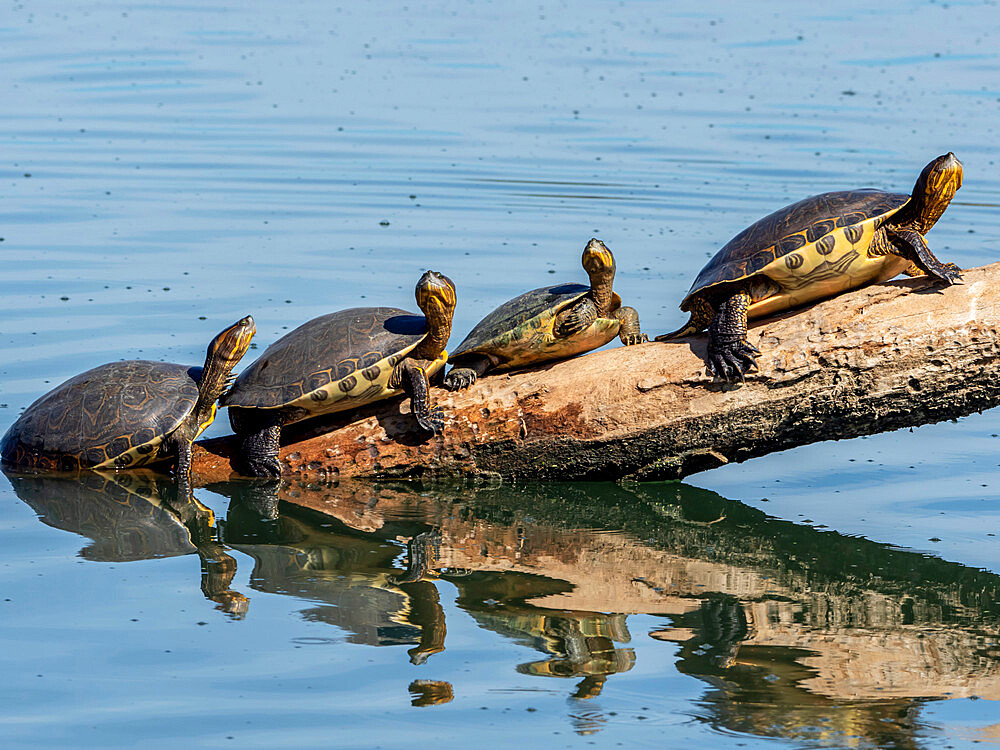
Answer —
430 692
797 633
134 516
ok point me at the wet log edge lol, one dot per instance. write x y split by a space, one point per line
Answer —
899 354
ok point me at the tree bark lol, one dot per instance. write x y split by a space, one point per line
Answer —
898 354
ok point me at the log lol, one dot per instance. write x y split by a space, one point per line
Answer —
899 354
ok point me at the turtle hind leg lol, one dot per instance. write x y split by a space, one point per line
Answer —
259 432
729 353
413 378
474 367
910 244
702 314
628 328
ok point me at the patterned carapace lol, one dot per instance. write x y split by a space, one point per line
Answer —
114 415
521 331
333 362
807 225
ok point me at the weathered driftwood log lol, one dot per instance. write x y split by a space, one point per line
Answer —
903 353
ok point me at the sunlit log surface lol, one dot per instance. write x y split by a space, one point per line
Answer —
899 354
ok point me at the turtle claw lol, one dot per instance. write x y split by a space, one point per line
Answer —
459 378
951 273
433 422
730 360
636 338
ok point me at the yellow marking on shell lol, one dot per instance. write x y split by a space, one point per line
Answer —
333 398
140 455
806 275
148 453
536 342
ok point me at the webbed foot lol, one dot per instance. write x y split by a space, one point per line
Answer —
459 378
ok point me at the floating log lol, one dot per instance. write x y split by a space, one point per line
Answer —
899 354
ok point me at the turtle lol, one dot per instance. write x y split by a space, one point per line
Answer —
812 250
338 362
127 414
548 323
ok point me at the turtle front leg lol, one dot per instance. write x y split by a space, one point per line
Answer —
259 435
183 470
475 367
628 326
915 248
575 319
413 378
729 352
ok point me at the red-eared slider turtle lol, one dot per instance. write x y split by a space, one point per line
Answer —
126 414
342 361
553 322
812 250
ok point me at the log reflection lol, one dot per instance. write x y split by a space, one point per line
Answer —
798 633
794 632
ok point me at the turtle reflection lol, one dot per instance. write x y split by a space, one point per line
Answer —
134 516
797 632
352 574
580 644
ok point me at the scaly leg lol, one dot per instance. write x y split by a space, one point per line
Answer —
729 352
922 257
183 471
628 328
577 318
475 366
413 378
259 432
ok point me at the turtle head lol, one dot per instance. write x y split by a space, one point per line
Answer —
232 343
225 351
598 260
599 264
935 188
436 295
436 298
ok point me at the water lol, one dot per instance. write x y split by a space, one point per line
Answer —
168 169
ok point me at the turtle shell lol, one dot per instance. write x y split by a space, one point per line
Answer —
333 362
814 228
520 331
114 415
